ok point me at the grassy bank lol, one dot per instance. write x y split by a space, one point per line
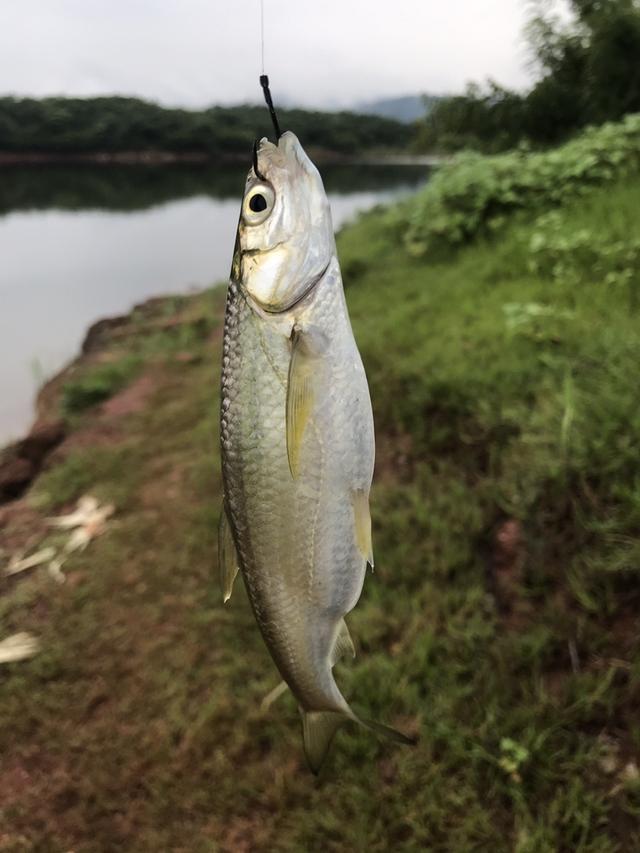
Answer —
501 624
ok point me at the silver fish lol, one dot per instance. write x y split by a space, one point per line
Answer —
297 437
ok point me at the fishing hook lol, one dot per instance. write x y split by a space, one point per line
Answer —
264 82
255 161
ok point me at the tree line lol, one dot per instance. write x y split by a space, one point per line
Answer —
588 72
61 125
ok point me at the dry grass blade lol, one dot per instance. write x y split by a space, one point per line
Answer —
20 564
18 647
87 521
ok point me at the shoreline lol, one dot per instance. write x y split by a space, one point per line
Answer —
22 459
201 158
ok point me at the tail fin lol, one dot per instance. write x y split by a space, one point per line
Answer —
387 731
319 727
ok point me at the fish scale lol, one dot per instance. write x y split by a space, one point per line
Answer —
298 534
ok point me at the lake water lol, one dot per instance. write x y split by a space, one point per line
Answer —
78 244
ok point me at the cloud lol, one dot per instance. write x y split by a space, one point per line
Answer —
197 52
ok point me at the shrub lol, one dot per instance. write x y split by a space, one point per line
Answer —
577 256
475 194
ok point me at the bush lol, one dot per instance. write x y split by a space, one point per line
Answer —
583 255
475 194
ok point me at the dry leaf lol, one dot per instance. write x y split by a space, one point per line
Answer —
55 570
21 564
18 647
88 520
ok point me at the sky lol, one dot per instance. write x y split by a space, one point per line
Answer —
324 53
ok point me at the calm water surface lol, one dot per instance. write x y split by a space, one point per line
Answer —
80 244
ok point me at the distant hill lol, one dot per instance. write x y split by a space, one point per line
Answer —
406 108
122 127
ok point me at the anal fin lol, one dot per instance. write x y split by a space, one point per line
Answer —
227 555
343 645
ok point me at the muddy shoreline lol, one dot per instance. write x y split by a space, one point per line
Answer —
21 461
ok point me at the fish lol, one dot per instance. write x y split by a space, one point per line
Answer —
297 438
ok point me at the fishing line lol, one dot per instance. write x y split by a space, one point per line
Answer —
262 31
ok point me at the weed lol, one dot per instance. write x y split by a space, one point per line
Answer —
97 384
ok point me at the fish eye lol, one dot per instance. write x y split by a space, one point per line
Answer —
258 204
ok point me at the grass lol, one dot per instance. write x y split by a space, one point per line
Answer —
97 384
98 380
500 624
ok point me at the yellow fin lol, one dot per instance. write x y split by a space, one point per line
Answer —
305 348
362 516
343 645
227 556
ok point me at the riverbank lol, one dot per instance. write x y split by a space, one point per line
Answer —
500 625
22 461
168 158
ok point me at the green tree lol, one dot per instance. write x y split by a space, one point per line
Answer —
118 124
588 72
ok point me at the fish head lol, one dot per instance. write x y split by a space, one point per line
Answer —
285 235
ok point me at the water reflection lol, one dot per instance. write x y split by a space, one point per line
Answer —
78 244
125 188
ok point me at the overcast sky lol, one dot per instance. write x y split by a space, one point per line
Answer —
197 52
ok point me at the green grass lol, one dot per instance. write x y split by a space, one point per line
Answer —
89 470
505 394
175 325
97 384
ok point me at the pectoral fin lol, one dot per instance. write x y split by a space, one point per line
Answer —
227 556
306 347
362 518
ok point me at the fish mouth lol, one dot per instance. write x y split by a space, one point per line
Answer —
252 253
282 309
309 286
262 146
279 151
